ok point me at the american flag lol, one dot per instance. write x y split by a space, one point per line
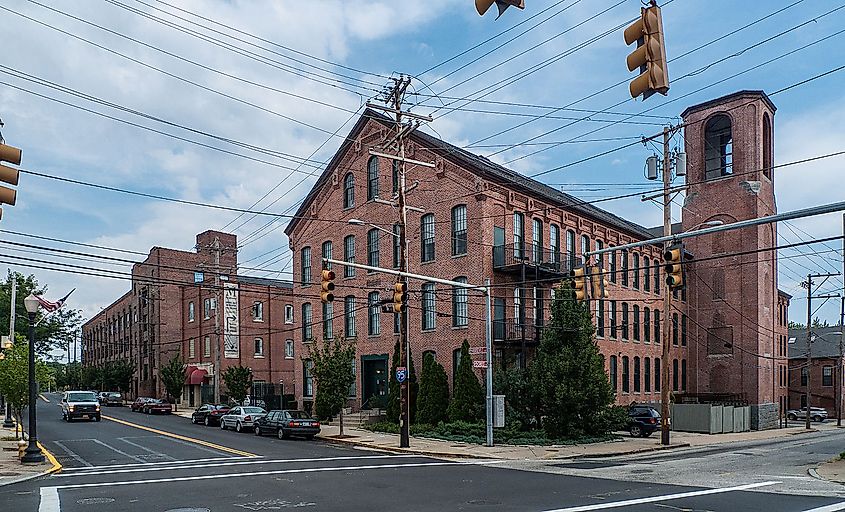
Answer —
53 306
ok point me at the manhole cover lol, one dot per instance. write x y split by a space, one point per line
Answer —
94 501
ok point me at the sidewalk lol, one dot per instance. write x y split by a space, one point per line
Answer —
625 445
11 469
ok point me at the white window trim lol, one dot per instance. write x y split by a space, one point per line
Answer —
288 313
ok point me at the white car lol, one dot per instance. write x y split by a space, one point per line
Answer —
241 418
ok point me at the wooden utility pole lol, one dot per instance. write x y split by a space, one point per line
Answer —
809 285
667 296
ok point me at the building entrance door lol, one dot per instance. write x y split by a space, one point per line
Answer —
374 381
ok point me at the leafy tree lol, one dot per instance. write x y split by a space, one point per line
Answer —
14 376
173 377
433 400
56 332
568 373
119 375
521 397
333 376
238 380
394 401
468 396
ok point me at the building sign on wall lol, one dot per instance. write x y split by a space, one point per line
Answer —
231 325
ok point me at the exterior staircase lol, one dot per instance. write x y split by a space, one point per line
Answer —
358 418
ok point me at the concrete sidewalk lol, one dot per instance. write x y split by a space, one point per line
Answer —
11 469
625 445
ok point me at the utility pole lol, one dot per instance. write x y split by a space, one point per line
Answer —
218 359
809 285
841 337
7 420
667 296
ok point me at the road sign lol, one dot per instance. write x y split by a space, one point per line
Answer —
479 364
476 351
401 374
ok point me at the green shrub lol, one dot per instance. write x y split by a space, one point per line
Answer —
468 396
433 400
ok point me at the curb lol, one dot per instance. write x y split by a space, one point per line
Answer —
626 452
56 466
395 449
815 474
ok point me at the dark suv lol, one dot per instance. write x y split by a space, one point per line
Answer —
287 423
643 420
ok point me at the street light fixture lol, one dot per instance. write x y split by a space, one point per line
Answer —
33 452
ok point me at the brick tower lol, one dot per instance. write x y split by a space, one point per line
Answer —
733 300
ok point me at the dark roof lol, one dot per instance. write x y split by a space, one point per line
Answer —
260 281
486 169
825 344
784 294
709 103
657 231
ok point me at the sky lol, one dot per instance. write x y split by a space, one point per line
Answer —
283 82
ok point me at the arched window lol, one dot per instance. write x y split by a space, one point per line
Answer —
554 243
636 271
349 255
636 374
372 178
585 247
373 239
349 191
518 234
718 147
647 324
646 274
636 314
570 249
767 146
537 241
613 374
427 237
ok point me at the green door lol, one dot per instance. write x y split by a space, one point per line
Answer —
374 381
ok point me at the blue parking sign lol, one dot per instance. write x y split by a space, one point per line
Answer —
401 374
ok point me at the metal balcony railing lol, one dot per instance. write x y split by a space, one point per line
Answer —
510 256
509 330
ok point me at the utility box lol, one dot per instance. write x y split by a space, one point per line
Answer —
498 411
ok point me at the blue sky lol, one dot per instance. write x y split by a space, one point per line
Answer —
382 38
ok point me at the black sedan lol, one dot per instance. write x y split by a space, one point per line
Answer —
288 423
643 420
208 414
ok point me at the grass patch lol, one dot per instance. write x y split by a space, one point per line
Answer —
842 456
475 433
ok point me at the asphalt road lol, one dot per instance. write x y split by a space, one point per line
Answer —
171 465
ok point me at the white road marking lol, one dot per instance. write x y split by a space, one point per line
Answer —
73 455
192 445
110 447
148 450
180 465
190 461
666 497
829 508
49 500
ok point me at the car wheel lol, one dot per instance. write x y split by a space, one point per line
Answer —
222 425
97 418
207 422
310 437
636 431
817 419
791 417
256 430
238 427
281 434
193 420
284 435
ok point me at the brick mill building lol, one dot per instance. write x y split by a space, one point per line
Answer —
821 375
171 308
480 220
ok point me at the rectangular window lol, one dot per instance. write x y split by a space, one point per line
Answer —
206 347
657 277
429 314
328 325
827 376
636 271
613 374
259 347
288 313
373 242
657 373
636 315
554 244
208 306
305 255
459 230
647 325
191 311
675 329
349 316
327 253
307 321
257 311
656 326
683 330
647 375
427 238
636 375
518 235
374 315
396 321
674 375
352 387
625 325
624 268
460 316
613 319
585 247
372 178
307 378
537 241
192 349
288 349
683 374
570 249
611 257
600 319
626 377
349 255
646 274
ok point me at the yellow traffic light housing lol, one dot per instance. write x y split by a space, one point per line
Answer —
327 286
673 265
400 297
8 174
482 5
650 55
580 274
598 284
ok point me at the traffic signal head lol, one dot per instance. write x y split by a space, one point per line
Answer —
400 297
482 5
650 55
8 174
579 282
598 284
327 286
673 264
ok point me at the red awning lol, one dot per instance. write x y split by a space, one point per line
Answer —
197 377
188 371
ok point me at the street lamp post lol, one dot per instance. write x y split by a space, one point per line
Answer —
33 452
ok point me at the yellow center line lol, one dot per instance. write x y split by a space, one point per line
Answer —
183 438
50 457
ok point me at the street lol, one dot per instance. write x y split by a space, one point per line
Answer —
169 464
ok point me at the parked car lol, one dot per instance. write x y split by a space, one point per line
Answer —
241 418
209 414
643 420
79 404
287 423
139 402
110 398
156 406
817 414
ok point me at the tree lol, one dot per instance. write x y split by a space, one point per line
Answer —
433 400
238 380
394 399
173 377
521 397
332 371
91 377
468 396
119 375
14 376
568 372
55 332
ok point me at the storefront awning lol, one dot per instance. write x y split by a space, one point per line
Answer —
197 376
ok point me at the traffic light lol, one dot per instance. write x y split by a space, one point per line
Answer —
580 274
482 5
650 55
673 264
327 286
598 284
400 297
8 174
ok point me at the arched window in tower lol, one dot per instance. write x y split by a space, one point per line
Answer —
767 146
718 147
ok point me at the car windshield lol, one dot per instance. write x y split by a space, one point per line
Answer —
85 396
299 415
219 407
253 410
113 395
